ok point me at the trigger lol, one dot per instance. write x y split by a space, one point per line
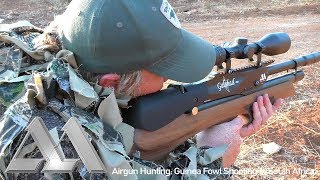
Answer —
246 119
248 116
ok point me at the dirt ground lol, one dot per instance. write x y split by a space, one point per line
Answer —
296 127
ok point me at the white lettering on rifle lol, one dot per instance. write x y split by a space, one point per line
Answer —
226 83
263 77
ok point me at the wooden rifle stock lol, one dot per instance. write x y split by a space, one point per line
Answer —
157 144
154 145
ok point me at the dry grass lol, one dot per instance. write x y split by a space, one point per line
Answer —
296 153
296 127
230 4
203 10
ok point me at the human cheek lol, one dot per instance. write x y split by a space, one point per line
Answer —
148 85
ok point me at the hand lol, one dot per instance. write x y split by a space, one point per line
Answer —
262 111
225 133
234 131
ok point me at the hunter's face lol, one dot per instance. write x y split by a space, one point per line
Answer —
149 83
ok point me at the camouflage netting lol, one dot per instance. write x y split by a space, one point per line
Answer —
43 81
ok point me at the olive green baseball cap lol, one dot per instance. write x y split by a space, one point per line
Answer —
121 36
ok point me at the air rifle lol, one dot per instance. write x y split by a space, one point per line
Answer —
165 119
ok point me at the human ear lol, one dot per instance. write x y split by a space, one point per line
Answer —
109 80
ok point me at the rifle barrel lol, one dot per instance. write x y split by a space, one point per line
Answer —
294 63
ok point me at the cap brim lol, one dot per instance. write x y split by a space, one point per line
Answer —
192 60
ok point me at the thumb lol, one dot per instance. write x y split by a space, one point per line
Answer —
237 122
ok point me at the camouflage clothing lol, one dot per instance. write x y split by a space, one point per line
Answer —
55 91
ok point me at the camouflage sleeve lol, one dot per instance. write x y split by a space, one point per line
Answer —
186 162
189 161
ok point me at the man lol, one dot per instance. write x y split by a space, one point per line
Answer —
227 133
145 38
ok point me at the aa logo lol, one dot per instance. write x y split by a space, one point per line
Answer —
53 156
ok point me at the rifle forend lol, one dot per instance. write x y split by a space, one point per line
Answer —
156 110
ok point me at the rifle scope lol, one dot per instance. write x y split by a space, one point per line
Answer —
270 44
